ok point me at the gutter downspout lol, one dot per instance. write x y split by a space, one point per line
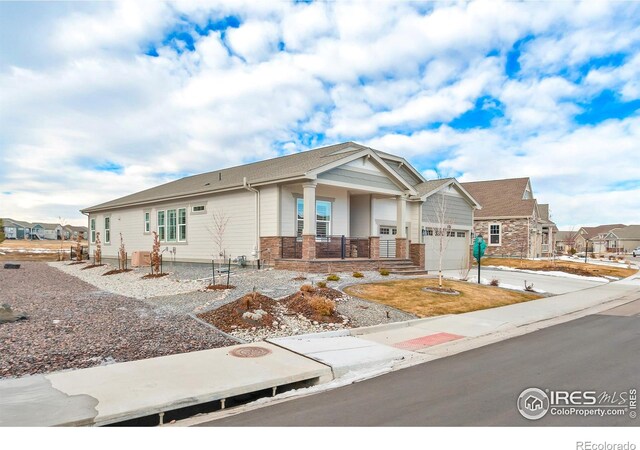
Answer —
248 187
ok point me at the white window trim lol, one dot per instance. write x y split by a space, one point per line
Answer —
329 222
178 225
107 241
203 211
146 222
499 235
164 225
92 230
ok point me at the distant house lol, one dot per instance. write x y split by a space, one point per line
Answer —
50 231
72 231
623 239
511 220
565 241
594 239
16 229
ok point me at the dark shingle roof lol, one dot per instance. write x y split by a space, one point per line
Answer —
297 164
592 232
501 198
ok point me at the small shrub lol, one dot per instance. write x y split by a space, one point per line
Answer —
321 284
495 282
322 306
384 272
357 275
307 288
333 277
572 251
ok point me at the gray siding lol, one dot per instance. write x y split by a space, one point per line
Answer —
458 211
365 179
404 173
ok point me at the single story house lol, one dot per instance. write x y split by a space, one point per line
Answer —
72 231
565 241
623 239
340 207
49 231
594 239
16 229
511 220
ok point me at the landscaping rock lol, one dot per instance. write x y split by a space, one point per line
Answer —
11 266
7 315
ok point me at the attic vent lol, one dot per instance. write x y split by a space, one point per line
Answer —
219 176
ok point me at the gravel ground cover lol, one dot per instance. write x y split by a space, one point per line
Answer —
71 324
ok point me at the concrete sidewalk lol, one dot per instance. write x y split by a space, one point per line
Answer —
424 339
118 392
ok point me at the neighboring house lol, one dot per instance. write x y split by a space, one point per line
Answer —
594 239
510 219
51 231
16 229
72 232
623 239
565 241
341 207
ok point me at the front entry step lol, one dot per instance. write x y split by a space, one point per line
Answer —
403 267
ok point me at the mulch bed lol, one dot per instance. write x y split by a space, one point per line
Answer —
91 266
154 275
220 287
75 263
229 317
116 271
300 303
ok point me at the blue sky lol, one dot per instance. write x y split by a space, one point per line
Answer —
102 99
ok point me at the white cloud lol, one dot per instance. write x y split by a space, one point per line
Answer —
80 94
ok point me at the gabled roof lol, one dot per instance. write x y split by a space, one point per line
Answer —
20 223
592 232
432 186
77 228
564 235
48 226
629 232
501 198
296 165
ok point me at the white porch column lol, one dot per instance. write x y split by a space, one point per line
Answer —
401 216
309 212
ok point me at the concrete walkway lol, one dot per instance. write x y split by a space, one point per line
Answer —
118 392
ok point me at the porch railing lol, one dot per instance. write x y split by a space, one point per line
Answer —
387 248
328 247
291 247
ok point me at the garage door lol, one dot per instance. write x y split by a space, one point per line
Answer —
455 256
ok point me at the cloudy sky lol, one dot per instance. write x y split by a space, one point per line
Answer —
99 100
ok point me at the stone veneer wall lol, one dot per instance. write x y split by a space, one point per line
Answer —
417 254
270 248
514 239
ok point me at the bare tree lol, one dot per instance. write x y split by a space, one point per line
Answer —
63 224
122 255
218 230
155 255
441 229
571 240
79 247
97 254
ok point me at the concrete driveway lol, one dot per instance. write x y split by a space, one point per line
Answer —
548 283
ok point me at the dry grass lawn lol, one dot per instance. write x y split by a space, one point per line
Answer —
407 295
36 250
574 267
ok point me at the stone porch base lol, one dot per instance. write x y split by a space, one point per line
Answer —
330 265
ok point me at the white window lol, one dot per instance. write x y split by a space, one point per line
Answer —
323 217
460 234
92 226
198 208
385 230
182 224
161 226
147 222
171 225
107 230
494 234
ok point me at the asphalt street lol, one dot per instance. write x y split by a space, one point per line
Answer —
481 386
